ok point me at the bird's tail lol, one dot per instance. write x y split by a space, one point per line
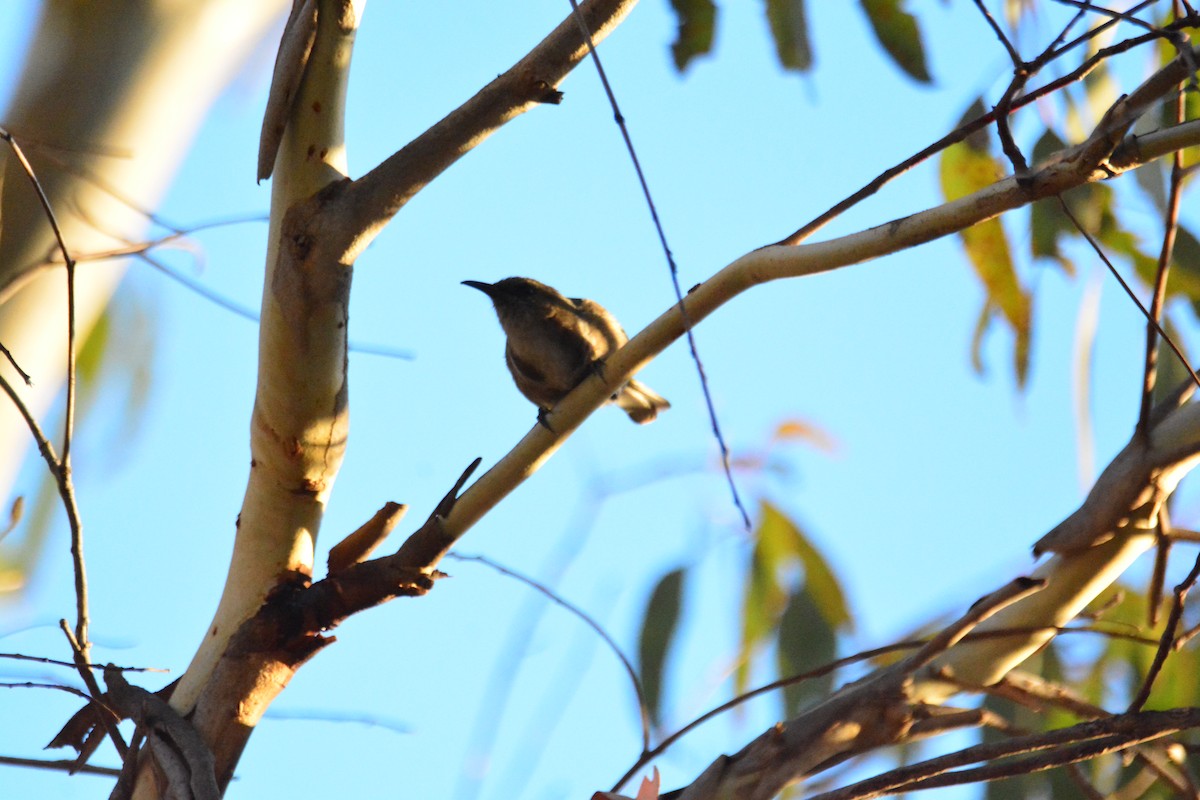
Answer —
640 402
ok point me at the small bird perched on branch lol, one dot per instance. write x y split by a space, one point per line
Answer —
555 342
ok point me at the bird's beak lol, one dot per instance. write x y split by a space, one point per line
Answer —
486 288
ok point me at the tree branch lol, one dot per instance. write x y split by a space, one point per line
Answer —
376 197
1104 154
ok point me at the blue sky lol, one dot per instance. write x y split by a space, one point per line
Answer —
940 482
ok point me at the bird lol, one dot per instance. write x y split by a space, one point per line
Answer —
555 342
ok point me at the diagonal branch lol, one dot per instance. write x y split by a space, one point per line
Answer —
985 119
376 197
884 707
1063 746
1104 154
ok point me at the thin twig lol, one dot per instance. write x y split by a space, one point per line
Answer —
996 770
1125 16
13 361
1035 693
832 666
674 270
71 664
60 765
1022 72
35 430
507 659
1013 55
980 122
1158 574
660 748
106 715
1057 748
66 490
142 250
587 620
59 687
218 299
982 609
127 777
1129 291
1006 727
175 235
64 463
1168 637
1170 230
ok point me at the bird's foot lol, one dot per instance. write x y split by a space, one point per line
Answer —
597 369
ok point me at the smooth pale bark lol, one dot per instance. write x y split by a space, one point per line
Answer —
301 415
320 221
109 99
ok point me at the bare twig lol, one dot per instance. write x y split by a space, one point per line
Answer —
39 437
1168 637
134 248
1062 746
1158 575
66 489
832 666
1022 72
71 664
1154 324
127 778
508 658
13 361
673 269
965 130
58 687
250 314
1013 55
1036 693
60 765
660 748
983 608
1170 229
108 718
583 616
1116 16
63 474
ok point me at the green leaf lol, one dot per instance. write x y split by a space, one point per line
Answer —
1185 268
789 29
819 581
1048 221
765 598
807 640
659 626
1171 373
781 550
1115 674
898 32
1167 114
697 21
967 167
